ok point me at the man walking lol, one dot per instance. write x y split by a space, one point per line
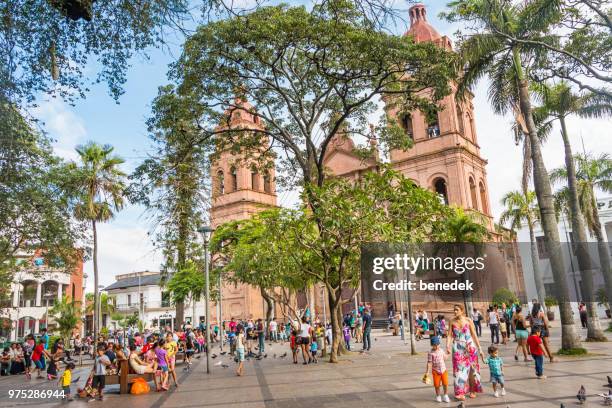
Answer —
367 328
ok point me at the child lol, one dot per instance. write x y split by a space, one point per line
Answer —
99 370
65 381
313 348
293 345
231 338
435 363
537 350
503 328
496 367
346 330
162 363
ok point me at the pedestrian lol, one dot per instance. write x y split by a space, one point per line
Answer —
537 350
261 335
65 381
38 356
520 329
171 348
477 318
494 324
304 342
367 328
538 318
496 368
465 347
503 328
101 362
240 350
293 345
582 311
346 332
313 348
437 367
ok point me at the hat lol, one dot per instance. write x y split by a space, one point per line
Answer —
435 340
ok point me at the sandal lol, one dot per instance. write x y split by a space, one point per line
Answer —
472 395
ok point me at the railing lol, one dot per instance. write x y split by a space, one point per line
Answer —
144 306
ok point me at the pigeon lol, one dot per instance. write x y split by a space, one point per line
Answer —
607 398
198 357
461 405
283 355
609 385
76 380
581 396
224 365
213 356
270 344
265 356
223 353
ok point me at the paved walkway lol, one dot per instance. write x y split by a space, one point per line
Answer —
386 377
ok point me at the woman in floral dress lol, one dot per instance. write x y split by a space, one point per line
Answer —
465 351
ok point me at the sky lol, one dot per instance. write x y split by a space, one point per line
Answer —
124 244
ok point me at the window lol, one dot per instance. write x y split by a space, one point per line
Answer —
129 300
141 299
483 198
234 179
541 244
440 188
220 183
406 124
460 120
472 128
165 302
254 180
267 183
473 194
433 126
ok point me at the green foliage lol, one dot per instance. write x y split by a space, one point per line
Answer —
504 295
577 351
550 301
188 282
66 313
463 227
104 332
520 209
602 297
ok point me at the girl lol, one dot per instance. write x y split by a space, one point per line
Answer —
313 348
305 333
520 328
293 345
240 350
347 337
538 318
503 329
162 363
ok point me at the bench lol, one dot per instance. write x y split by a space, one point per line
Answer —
126 377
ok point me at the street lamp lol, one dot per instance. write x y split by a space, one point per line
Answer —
206 231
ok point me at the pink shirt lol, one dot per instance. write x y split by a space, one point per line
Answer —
436 358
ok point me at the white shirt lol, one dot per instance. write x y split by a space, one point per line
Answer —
273 325
305 330
475 315
493 317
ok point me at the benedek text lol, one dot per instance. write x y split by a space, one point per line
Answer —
420 285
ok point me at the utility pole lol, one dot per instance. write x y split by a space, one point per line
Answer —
206 231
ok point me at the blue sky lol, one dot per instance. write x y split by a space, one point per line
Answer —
124 244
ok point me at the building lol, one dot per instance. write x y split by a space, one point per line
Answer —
35 289
574 280
445 158
140 293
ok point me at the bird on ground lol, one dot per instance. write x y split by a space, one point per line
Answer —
198 357
607 398
283 355
224 365
213 356
581 396
609 385
461 405
223 353
265 356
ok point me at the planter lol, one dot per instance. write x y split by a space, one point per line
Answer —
550 315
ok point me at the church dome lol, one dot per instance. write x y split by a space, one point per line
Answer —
420 29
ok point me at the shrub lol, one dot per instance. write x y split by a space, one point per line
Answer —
504 295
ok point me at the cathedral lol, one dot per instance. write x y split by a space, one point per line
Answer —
445 158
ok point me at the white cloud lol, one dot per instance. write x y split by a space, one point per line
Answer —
63 125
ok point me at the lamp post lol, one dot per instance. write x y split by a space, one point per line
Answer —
206 231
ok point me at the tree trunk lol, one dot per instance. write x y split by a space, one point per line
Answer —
269 309
96 315
543 190
602 250
336 326
594 331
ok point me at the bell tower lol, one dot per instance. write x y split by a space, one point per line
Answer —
239 191
445 156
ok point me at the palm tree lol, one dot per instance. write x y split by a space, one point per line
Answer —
502 48
523 209
66 314
107 304
99 187
592 173
559 102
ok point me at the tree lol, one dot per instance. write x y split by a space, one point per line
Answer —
592 173
45 48
98 188
504 295
172 183
559 102
35 210
188 282
310 75
66 313
522 209
497 47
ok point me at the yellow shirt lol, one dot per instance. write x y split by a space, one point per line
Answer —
66 378
171 347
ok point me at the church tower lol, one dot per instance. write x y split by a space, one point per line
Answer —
445 156
239 191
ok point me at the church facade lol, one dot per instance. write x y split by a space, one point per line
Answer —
445 158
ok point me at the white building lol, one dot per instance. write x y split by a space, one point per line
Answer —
34 291
140 293
569 258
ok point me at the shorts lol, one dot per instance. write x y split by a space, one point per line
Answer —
240 352
543 333
440 378
304 340
522 334
39 364
66 389
98 381
497 379
164 368
172 361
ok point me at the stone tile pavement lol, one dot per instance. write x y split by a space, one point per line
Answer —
387 377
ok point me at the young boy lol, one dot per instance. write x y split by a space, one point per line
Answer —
65 381
313 349
346 330
435 363
294 346
537 350
496 367
503 329
99 370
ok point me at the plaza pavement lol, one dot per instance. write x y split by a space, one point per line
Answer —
386 377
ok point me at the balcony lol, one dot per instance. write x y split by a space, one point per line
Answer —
146 306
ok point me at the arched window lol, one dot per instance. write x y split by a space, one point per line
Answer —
254 180
433 125
406 124
460 120
49 291
440 188
267 183
473 194
234 179
220 183
483 198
